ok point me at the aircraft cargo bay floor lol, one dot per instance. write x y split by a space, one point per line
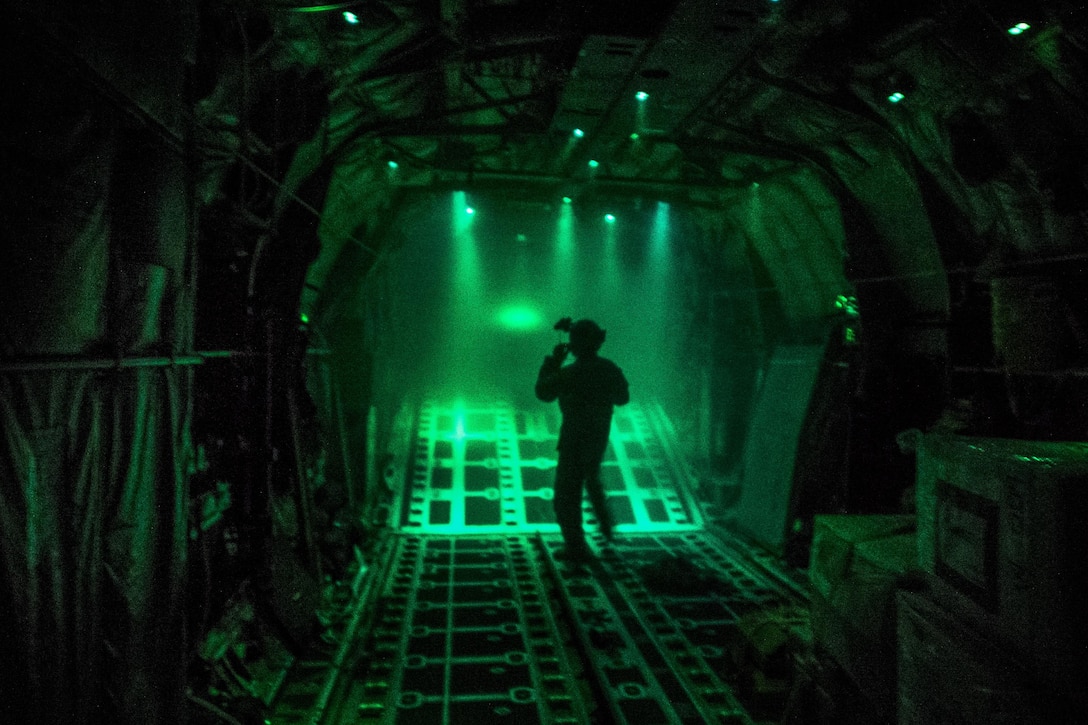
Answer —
469 616
490 468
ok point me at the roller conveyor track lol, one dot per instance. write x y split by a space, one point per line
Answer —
472 617
495 629
467 633
489 468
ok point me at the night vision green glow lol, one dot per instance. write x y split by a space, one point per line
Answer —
392 164
304 318
466 261
469 210
350 17
481 305
567 200
564 259
519 318
848 304
659 236
578 133
611 277
1018 28
656 280
634 137
641 111
317 8
594 163
896 97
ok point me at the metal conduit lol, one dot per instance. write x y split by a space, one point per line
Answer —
155 361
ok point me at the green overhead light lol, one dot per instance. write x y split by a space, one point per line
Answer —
896 97
848 304
1018 28
392 164
594 163
317 8
634 137
350 18
304 318
578 133
610 218
642 96
469 210
567 200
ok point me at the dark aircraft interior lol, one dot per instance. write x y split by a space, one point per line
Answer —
280 276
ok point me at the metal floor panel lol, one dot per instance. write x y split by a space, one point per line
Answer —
489 468
495 629
466 634
474 618
663 615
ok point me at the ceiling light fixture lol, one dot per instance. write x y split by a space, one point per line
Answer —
323 8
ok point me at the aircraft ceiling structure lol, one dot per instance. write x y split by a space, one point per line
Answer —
694 101
341 107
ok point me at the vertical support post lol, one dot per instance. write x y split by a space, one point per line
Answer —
304 503
337 412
